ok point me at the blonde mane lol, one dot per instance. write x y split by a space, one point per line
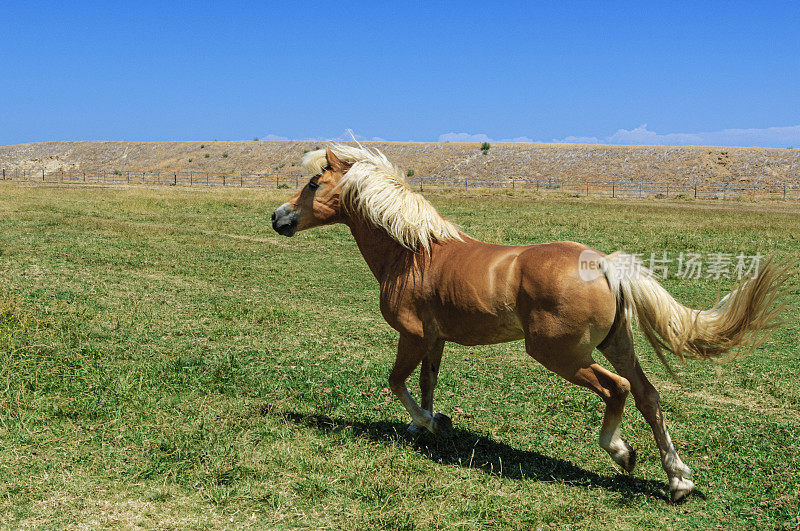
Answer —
376 189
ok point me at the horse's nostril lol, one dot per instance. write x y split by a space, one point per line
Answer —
273 216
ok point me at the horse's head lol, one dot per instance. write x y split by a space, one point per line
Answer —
317 203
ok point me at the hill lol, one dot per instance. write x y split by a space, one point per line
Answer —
677 164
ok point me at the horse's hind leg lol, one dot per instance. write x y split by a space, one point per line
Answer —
619 352
410 351
580 369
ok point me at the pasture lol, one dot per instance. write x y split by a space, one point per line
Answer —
168 360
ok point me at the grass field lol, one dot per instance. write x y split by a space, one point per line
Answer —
166 360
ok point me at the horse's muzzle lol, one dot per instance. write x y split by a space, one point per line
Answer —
284 220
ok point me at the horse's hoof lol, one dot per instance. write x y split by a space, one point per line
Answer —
414 432
628 462
625 456
679 488
442 426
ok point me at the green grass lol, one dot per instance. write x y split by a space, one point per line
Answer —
166 360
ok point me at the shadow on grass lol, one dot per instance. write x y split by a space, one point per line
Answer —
469 450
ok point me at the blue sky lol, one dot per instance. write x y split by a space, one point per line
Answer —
621 72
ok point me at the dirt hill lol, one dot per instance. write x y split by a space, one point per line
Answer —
443 160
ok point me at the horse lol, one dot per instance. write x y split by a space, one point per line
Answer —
565 299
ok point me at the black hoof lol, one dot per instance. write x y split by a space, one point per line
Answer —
442 426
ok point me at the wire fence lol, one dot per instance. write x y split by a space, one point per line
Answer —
253 179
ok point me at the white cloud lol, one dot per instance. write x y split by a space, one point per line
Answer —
273 137
769 137
642 136
480 137
777 137
772 137
464 137
576 140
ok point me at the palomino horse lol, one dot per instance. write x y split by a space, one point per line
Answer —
564 299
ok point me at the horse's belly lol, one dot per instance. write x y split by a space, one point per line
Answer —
481 329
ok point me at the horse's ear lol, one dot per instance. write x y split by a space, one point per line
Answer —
334 162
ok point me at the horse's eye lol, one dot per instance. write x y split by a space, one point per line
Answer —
312 185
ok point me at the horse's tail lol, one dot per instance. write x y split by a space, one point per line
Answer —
741 318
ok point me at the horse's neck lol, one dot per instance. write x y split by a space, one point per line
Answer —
385 257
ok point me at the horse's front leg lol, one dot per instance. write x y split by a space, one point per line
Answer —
410 351
429 374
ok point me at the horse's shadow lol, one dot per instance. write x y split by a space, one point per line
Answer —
477 452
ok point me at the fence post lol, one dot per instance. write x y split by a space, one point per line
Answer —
466 183
223 180
276 181
296 181
754 192
4 178
695 190
613 189
191 178
587 189
784 186
667 190
174 178
241 180
537 184
42 174
512 182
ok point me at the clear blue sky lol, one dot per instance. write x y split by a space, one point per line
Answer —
400 71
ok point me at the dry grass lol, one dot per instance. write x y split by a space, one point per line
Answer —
744 166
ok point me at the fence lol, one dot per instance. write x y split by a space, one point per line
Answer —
252 179
622 188
243 179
